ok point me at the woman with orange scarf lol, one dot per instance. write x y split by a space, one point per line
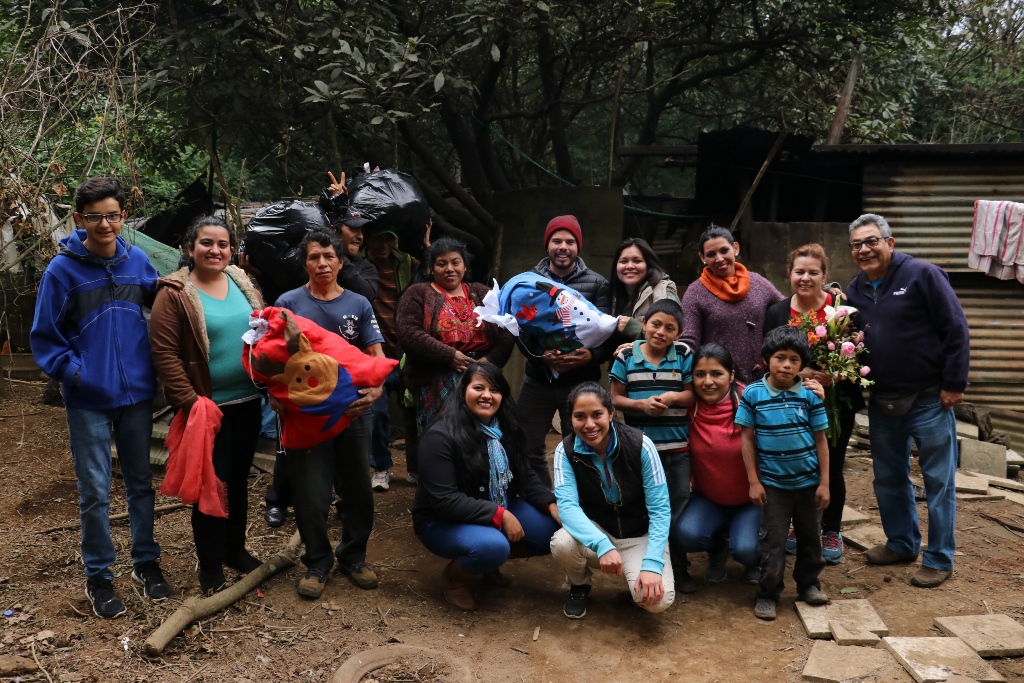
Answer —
727 304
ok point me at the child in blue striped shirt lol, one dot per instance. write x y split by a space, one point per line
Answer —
786 455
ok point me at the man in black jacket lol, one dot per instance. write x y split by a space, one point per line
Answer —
543 393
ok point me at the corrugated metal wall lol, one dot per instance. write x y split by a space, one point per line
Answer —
931 207
931 211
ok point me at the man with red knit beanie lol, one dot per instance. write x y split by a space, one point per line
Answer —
542 393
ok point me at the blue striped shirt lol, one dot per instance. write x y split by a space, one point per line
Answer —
784 422
670 431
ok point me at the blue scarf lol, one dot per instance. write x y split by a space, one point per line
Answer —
500 474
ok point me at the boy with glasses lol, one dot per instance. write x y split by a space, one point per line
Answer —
90 333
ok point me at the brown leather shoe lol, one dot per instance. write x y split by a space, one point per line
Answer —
881 554
455 586
926 577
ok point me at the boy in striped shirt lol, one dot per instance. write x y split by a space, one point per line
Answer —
652 384
786 455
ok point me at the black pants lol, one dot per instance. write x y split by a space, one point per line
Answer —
538 401
344 462
783 506
832 517
412 439
233 450
279 493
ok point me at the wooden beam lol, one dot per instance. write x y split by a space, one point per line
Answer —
835 133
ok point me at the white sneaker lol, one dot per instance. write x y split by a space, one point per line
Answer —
381 480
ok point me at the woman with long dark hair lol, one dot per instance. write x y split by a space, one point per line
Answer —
638 280
727 304
478 502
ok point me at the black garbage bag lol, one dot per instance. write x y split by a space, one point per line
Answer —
272 244
392 201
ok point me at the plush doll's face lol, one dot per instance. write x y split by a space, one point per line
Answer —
311 377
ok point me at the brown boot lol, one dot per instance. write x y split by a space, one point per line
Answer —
455 586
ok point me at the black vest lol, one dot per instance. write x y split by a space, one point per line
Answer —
629 518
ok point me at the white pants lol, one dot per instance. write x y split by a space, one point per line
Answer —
577 560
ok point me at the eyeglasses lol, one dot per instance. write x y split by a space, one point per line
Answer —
96 218
870 243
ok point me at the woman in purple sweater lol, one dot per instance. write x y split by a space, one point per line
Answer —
727 304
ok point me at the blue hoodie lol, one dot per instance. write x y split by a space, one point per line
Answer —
914 327
89 330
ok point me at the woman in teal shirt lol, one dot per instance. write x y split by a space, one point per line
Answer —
200 314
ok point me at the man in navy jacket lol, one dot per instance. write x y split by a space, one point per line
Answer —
919 353
89 332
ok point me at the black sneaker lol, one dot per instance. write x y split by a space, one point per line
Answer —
575 606
105 603
154 585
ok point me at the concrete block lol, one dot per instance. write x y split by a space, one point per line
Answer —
934 660
1014 458
864 537
969 483
853 615
966 430
852 517
990 635
844 636
860 425
829 663
979 456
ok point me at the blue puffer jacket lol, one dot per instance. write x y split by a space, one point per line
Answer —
89 330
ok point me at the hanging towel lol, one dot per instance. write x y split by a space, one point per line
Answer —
190 475
997 239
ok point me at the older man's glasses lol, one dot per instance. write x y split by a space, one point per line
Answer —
870 243
96 218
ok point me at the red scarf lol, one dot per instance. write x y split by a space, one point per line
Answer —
731 289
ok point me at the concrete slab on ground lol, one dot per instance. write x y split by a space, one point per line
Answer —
980 456
853 615
1004 483
829 663
934 660
866 536
1014 458
969 483
844 636
980 496
853 517
990 635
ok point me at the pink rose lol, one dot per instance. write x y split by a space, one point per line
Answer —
842 312
860 345
847 350
821 331
831 346
864 370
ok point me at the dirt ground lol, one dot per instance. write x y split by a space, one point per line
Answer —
274 635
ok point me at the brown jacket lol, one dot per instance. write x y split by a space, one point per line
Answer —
177 333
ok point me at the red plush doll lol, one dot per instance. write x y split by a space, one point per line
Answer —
313 373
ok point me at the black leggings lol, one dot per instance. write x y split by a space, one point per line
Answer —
832 517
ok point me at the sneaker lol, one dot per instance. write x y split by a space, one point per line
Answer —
105 603
412 478
791 543
312 584
832 547
381 480
812 596
765 609
154 585
752 576
575 606
360 574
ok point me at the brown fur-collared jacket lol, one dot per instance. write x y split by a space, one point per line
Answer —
177 333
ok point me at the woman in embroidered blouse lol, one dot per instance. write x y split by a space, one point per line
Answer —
199 316
477 501
437 330
808 268
727 304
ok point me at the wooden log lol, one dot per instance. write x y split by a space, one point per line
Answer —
113 518
195 609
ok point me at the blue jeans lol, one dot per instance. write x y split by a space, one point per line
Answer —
704 523
380 444
933 428
90 431
481 549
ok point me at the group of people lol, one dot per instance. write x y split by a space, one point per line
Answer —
720 447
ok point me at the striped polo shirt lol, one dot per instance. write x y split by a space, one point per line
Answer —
670 431
784 422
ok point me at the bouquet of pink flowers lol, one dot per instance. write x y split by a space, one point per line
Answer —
835 346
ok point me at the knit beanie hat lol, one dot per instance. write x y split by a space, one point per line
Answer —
564 223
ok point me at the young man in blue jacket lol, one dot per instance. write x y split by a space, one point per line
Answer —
919 352
89 332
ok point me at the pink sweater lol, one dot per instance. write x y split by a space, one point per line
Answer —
736 326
